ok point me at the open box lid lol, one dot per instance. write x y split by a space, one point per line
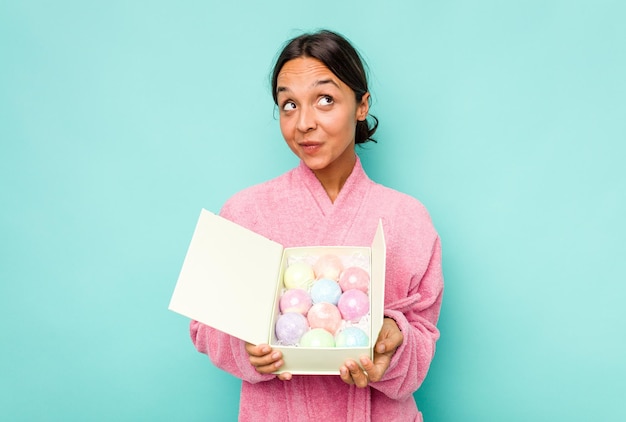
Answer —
228 278
230 274
377 287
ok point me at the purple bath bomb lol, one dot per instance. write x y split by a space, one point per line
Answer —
295 300
324 315
352 337
353 305
354 278
290 327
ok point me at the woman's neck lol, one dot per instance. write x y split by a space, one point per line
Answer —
335 175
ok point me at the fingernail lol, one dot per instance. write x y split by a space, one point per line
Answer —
275 355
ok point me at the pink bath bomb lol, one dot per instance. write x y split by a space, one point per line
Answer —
353 305
295 300
354 278
328 266
324 315
290 327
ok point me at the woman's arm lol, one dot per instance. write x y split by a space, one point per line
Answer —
226 352
416 316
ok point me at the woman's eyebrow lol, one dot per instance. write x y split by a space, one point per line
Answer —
317 83
323 82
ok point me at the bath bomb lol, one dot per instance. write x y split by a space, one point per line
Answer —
325 290
353 304
317 337
290 327
298 276
352 337
324 315
354 278
295 300
328 266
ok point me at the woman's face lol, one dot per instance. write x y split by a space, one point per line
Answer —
318 114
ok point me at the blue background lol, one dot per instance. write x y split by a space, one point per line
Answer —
119 120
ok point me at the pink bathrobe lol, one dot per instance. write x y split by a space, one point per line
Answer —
295 210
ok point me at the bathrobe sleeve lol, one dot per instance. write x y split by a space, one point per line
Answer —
416 312
226 352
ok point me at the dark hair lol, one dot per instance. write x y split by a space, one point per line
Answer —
341 58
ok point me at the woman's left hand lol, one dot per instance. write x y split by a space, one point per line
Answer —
389 339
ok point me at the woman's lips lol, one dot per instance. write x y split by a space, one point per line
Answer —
310 147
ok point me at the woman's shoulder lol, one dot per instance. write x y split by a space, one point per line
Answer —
252 198
403 215
399 202
260 190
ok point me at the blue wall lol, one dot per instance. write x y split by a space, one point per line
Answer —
120 120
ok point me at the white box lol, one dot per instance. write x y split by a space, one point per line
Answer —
231 280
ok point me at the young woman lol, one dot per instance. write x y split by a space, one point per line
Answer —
320 87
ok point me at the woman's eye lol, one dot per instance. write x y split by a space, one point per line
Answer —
326 100
289 105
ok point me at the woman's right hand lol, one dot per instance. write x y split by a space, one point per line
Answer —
266 360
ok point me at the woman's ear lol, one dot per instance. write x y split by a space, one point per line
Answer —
363 107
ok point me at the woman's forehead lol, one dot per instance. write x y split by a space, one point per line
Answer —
305 72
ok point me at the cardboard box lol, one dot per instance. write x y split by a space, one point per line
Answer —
231 279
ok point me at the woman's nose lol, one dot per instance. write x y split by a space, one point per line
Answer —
306 119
